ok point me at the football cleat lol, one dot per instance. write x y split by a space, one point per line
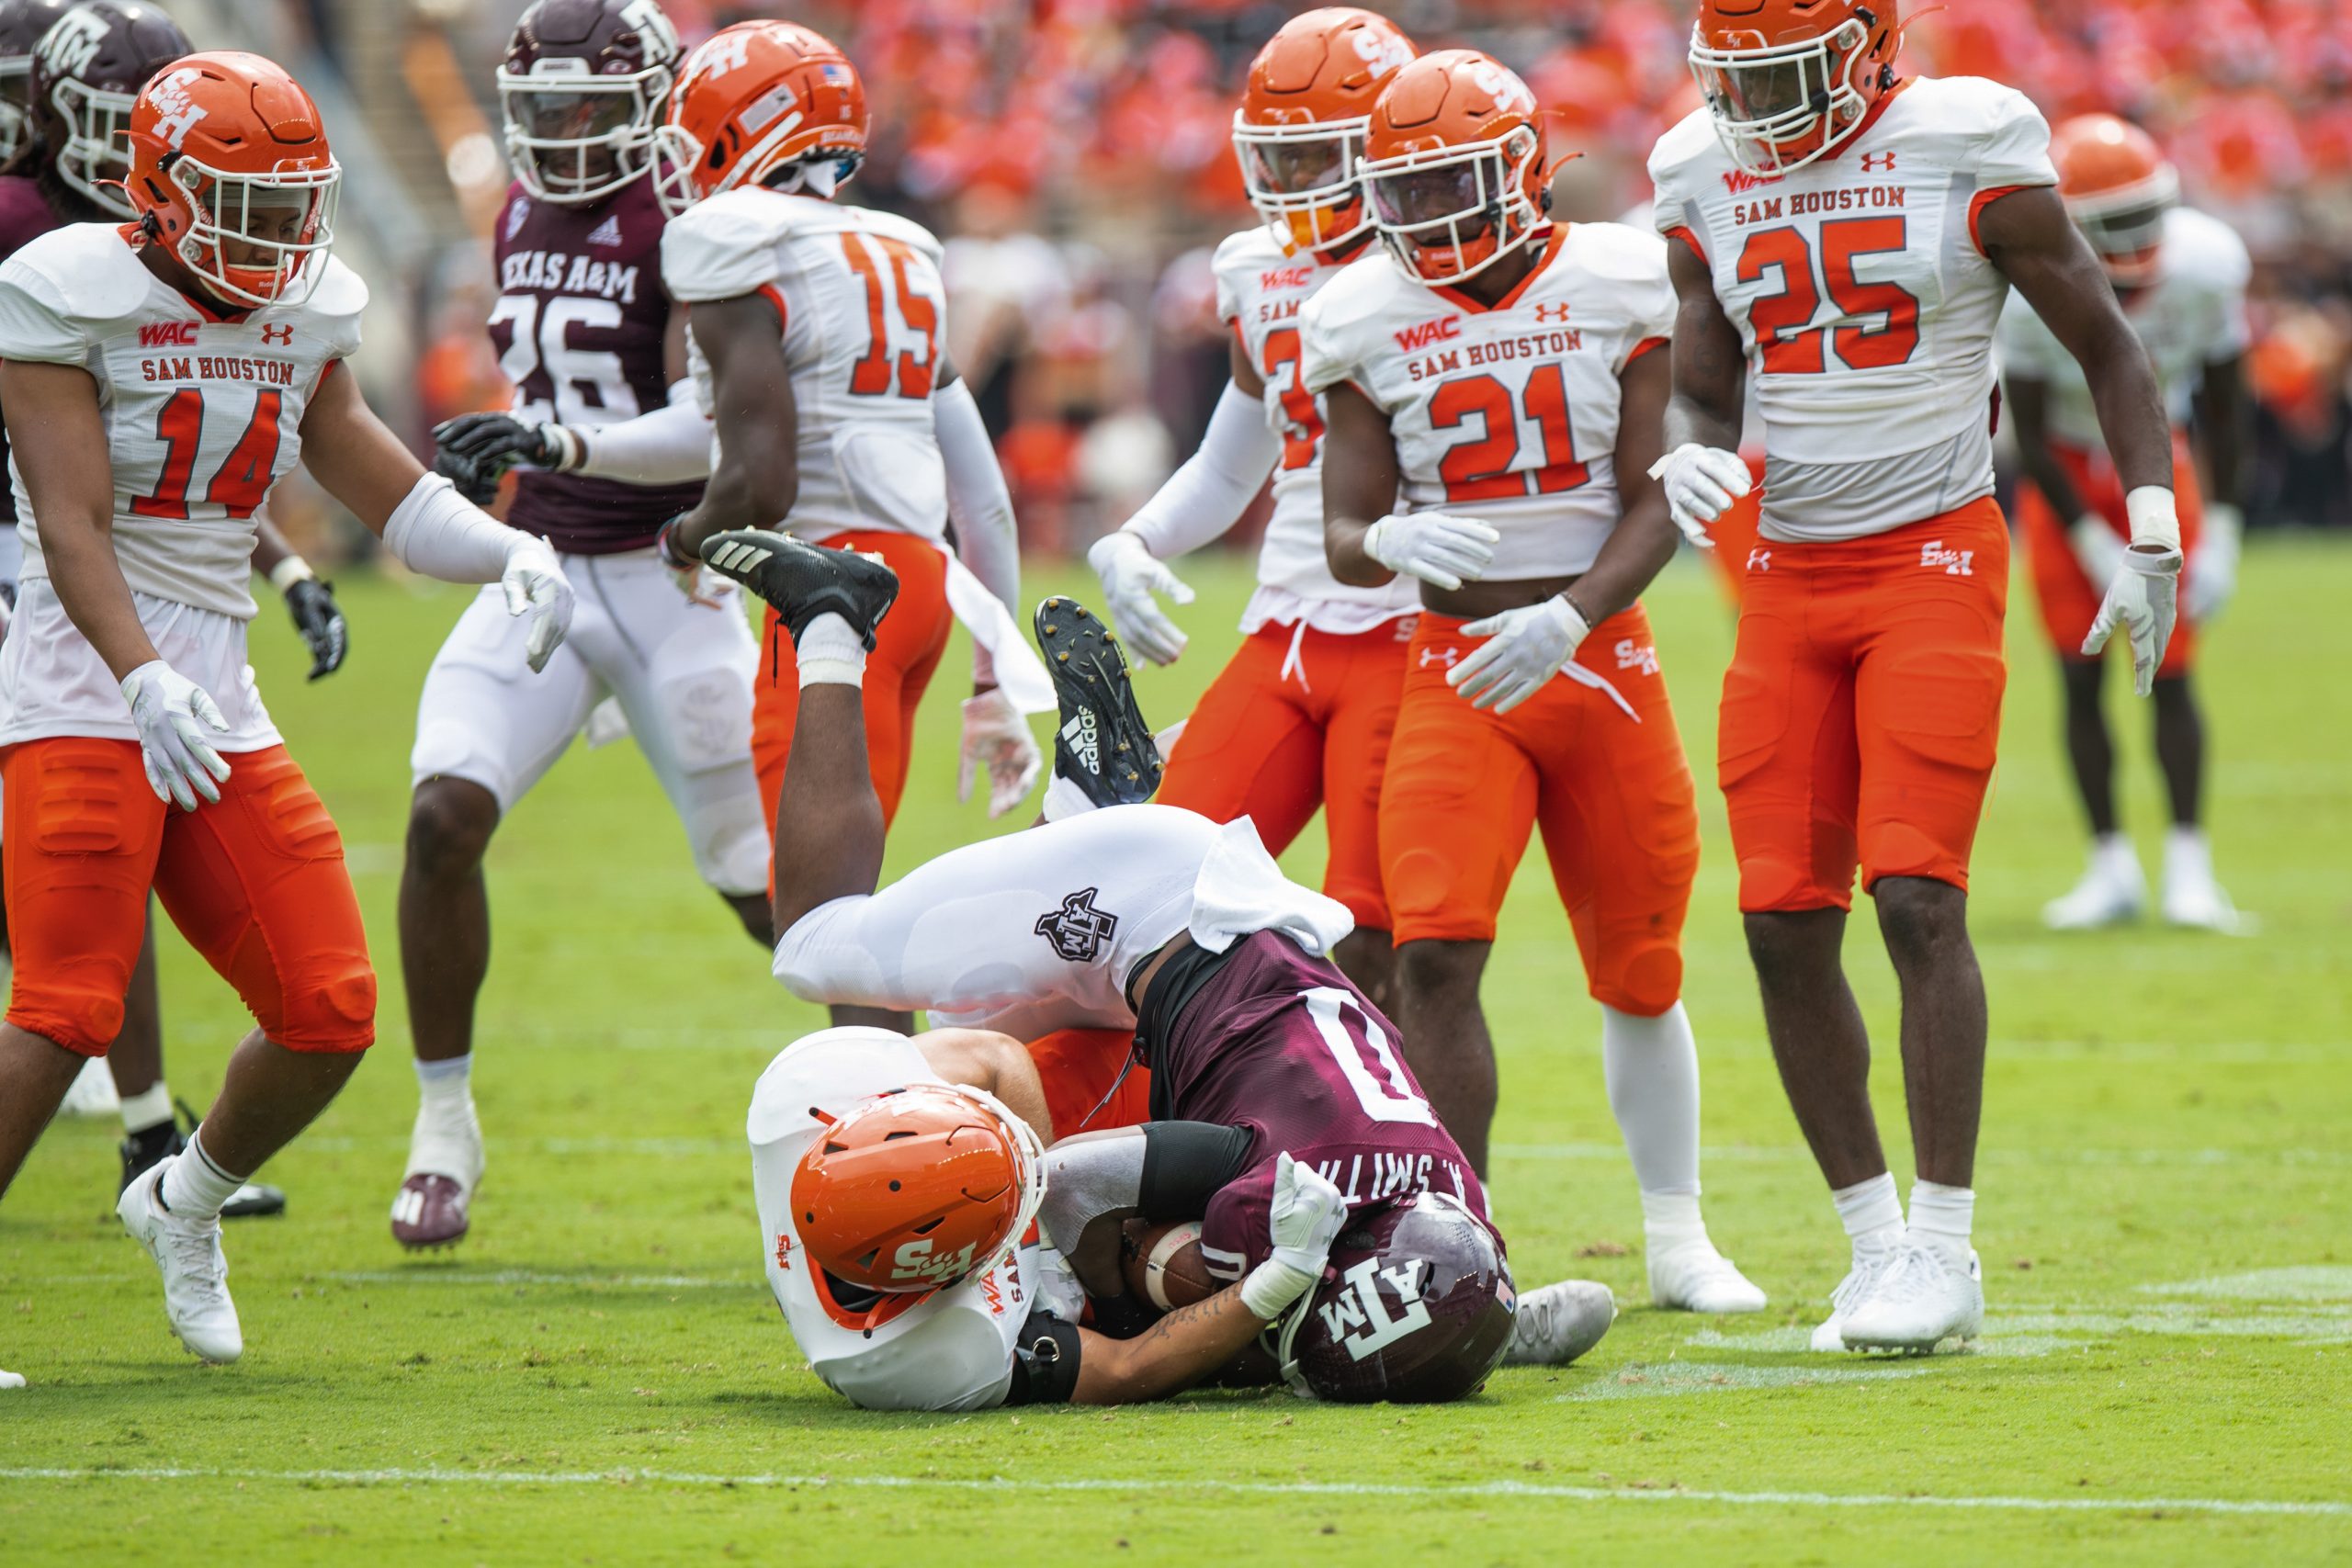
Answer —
1921 1300
1828 1335
2113 890
196 1274
1102 745
433 1206
803 582
1692 1276
2192 897
10 1380
1557 1323
142 1151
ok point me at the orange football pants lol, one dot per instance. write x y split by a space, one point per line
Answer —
1080 1068
1862 707
2069 598
1612 793
1296 719
907 646
255 881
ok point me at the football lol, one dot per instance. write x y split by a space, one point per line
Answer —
1164 1266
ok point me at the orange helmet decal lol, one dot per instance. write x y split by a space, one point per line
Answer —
230 169
1454 164
1785 79
757 98
2117 185
910 1191
1299 130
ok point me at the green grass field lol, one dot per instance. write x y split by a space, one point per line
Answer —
599 1375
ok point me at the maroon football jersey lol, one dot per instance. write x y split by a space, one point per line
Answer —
1280 1043
25 216
578 326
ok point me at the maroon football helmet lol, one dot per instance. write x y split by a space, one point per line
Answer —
583 88
21 24
1415 1307
87 69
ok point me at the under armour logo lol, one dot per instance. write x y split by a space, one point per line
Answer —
1547 312
1759 560
1077 930
279 333
1878 162
1445 656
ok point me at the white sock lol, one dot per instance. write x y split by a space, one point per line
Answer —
1651 1066
829 653
195 1185
1064 799
1940 1217
2189 857
2111 854
150 1107
1871 1215
446 1087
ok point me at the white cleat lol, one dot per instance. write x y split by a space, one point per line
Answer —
1557 1323
9 1380
2113 890
1919 1301
1692 1276
1828 1335
196 1274
2199 903
92 1093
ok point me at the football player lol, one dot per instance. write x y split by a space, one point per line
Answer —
1501 374
1848 237
2182 278
67 76
815 352
1301 716
1155 921
582 322
159 377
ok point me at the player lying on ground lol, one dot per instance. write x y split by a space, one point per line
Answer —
2181 276
1155 921
1501 374
158 380
1848 238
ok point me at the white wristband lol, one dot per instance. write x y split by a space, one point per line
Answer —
1271 1287
2156 521
288 573
438 532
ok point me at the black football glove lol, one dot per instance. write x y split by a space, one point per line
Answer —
316 615
476 449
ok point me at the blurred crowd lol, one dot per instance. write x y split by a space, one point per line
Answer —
1074 153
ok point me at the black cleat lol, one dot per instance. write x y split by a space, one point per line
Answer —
803 582
1104 745
142 1151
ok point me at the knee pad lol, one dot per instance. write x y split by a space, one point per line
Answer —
731 845
83 1017
329 1006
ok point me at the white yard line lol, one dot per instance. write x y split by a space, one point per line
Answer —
1498 1490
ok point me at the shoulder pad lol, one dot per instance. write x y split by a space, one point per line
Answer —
2202 250
1686 144
1247 250
724 247
337 305
1619 253
91 272
830 1070
890 225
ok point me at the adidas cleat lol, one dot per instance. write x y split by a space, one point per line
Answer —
803 582
1103 746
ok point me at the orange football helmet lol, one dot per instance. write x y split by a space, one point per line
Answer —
2118 185
1301 124
1786 78
753 101
910 1191
1454 164
230 168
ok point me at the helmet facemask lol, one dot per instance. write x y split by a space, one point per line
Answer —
1778 108
575 137
820 172
1450 213
1302 179
97 154
2126 227
257 239
15 109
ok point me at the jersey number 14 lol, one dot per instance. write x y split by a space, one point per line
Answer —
244 475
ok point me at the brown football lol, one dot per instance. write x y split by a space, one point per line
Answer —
1163 1264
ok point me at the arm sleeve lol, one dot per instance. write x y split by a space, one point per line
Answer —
978 504
438 532
1208 494
1187 1163
1089 1177
670 445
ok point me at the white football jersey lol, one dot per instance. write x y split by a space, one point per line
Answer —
2192 315
1260 293
864 310
202 415
1506 412
1863 298
953 1351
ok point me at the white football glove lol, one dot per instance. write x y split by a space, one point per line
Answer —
1302 1221
1131 574
997 738
2143 600
1441 549
2099 549
172 713
1701 483
535 586
2212 576
1524 648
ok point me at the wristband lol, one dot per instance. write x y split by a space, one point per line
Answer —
1273 1286
1584 620
2154 519
290 571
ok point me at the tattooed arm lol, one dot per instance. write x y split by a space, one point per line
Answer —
1171 1356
